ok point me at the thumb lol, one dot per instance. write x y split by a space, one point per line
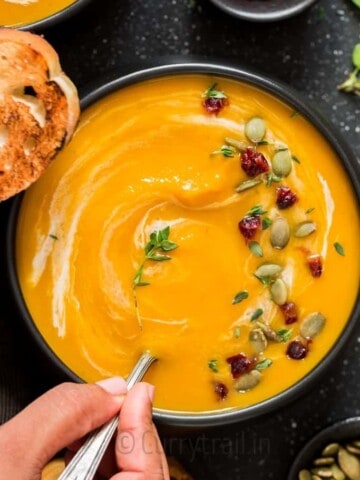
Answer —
56 419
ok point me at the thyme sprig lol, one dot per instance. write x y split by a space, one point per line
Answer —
212 92
352 83
155 250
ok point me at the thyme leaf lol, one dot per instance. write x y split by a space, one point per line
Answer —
213 365
239 297
263 364
284 334
256 210
154 251
266 223
255 248
258 312
212 92
226 151
339 248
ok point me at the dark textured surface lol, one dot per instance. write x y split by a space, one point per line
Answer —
312 52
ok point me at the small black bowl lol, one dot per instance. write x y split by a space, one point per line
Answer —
55 18
297 103
342 431
263 10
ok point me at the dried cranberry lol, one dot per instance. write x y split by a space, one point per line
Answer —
239 364
221 390
253 163
296 350
214 105
285 198
315 265
248 225
290 312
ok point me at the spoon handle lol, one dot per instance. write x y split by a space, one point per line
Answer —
84 464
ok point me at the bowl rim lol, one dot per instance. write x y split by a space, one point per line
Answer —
339 431
348 160
57 17
263 16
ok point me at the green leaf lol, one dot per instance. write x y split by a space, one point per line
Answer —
237 332
239 297
263 364
163 234
213 365
266 223
54 237
356 51
256 314
284 334
339 248
357 3
158 258
263 142
168 246
255 249
309 210
256 210
211 92
270 178
295 159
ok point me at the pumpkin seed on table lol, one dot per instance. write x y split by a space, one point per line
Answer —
353 449
349 464
279 292
255 129
324 461
322 472
304 229
279 233
281 163
258 340
248 381
305 475
330 449
312 325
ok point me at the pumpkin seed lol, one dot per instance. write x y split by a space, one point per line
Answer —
337 473
282 163
322 472
248 381
279 233
304 475
247 184
304 229
270 334
279 292
312 325
324 461
330 449
349 464
255 129
268 270
353 449
257 340
238 144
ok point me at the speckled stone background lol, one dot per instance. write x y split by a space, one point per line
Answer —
312 52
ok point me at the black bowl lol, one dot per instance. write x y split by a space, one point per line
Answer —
343 431
55 18
263 10
294 100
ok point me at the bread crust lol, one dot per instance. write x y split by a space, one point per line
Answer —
39 109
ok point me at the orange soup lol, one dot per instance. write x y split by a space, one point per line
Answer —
199 218
16 13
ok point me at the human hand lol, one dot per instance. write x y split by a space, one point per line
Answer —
66 413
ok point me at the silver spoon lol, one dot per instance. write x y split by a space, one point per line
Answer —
84 464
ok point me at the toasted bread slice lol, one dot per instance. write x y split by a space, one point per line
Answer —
39 109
